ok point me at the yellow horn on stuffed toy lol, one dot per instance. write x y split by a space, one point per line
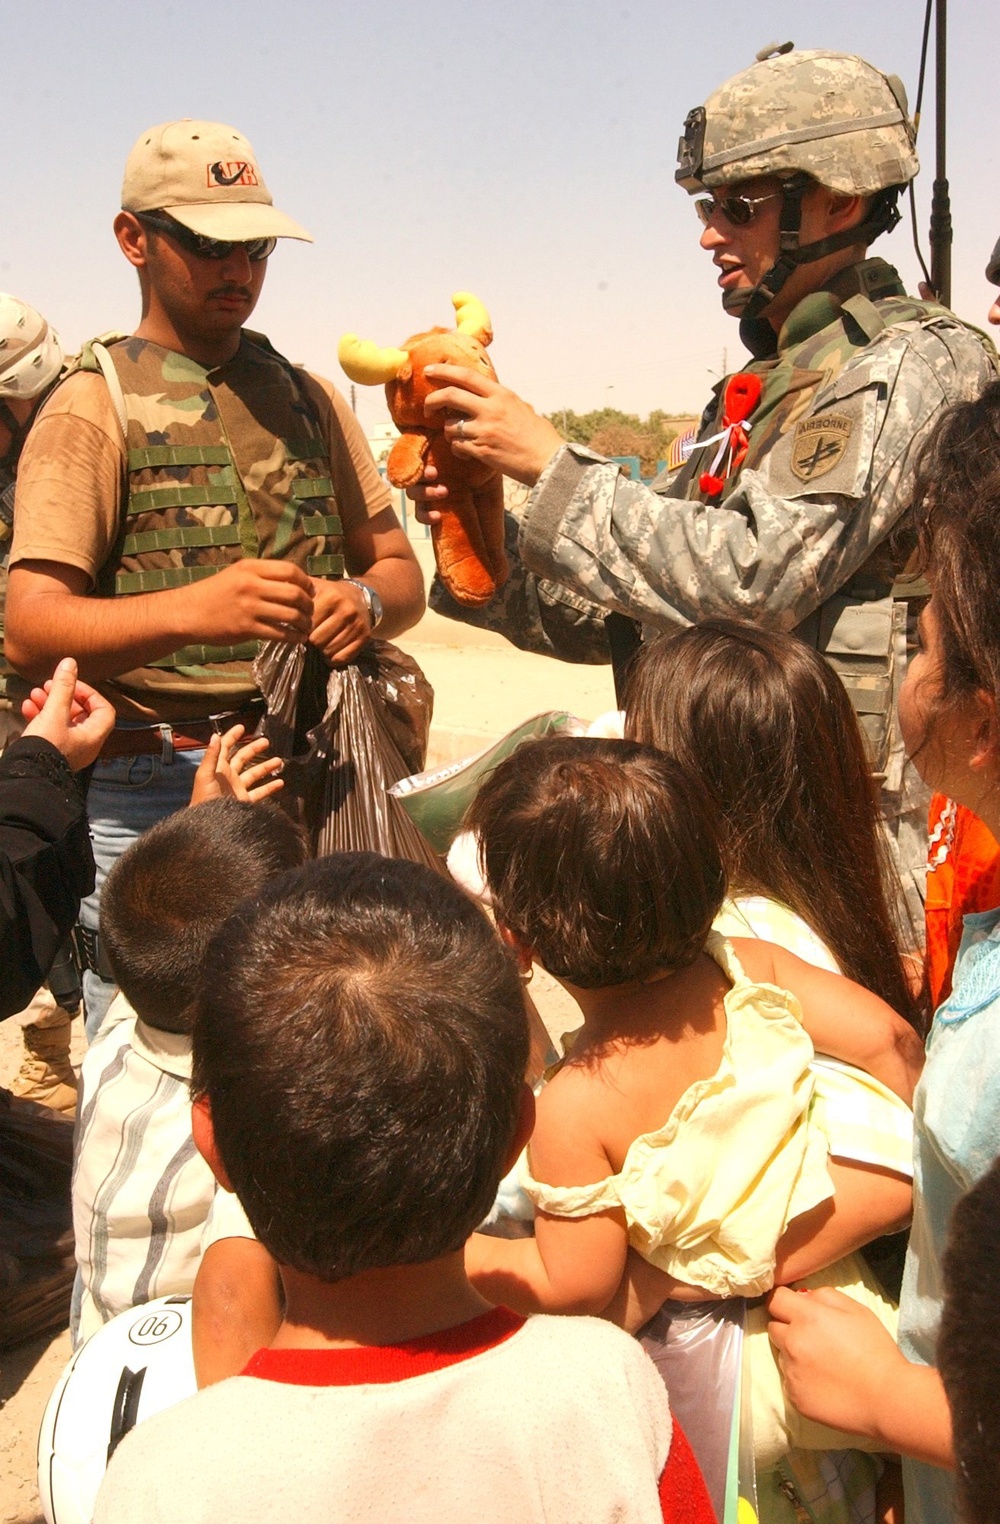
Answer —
471 317
367 364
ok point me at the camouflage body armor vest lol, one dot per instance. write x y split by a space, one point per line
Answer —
221 464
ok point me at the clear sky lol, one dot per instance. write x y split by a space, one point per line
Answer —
523 150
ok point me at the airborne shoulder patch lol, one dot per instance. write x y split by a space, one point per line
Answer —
819 445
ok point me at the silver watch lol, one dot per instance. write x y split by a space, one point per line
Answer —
373 602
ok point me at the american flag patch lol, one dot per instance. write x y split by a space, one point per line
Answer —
681 448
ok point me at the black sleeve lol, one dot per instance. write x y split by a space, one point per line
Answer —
46 864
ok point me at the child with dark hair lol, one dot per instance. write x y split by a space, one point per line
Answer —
359 1062
770 730
141 1193
685 1121
963 859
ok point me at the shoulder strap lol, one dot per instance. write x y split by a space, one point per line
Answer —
86 360
94 357
107 367
866 315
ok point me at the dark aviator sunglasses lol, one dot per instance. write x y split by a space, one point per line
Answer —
738 211
257 249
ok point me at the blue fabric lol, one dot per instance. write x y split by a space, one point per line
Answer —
127 795
957 1137
511 1201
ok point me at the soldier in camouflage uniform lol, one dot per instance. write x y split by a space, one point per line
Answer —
187 492
798 522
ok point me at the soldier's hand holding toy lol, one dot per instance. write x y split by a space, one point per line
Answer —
456 438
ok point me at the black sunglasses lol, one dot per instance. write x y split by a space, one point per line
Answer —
206 248
737 210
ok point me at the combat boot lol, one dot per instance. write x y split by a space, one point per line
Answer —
46 1074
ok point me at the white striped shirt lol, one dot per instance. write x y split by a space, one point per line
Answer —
141 1191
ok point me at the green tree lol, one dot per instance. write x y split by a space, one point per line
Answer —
612 432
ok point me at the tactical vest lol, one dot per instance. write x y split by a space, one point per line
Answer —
221 464
861 631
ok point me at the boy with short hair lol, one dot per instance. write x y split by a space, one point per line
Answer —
358 1080
141 1191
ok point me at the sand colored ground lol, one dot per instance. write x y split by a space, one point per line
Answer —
28 1373
483 688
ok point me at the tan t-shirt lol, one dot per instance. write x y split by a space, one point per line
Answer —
72 482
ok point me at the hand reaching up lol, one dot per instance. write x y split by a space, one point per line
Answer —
74 717
229 771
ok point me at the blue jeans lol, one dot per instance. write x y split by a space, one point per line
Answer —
127 795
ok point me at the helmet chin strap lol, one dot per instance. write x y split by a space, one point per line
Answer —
882 216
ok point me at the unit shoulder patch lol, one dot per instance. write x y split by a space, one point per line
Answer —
819 445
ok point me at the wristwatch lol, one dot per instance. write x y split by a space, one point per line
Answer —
373 602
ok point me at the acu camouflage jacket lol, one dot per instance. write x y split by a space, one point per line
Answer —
796 524
861 370
809 536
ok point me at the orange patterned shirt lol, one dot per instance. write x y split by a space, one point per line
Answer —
963 875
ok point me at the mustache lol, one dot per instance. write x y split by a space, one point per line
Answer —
231 289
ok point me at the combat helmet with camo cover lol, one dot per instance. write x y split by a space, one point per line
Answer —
31 356
803 116
31 360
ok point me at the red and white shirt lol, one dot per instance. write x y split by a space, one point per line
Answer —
561 1420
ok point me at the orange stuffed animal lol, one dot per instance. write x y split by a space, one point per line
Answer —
468 540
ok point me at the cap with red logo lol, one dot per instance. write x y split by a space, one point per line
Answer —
206 176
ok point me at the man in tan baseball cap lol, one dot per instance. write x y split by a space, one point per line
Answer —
187 493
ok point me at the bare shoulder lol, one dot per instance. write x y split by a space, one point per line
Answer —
588 1097
574 1086
770 963
756 957
576 1100
567 1145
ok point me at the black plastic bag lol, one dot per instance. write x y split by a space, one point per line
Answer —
347 734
